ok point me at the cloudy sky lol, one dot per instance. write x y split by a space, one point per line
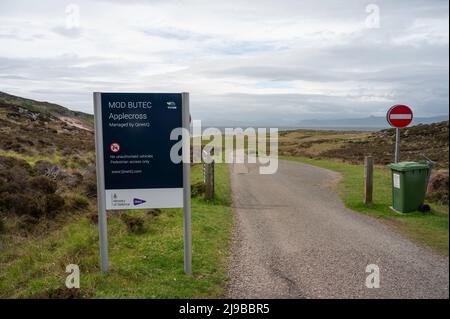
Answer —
273 62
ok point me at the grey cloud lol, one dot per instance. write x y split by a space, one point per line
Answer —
73 33
418 68
67 67
15 35
13 77
211 44
67 79
402 61
171 33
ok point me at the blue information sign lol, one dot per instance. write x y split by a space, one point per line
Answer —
138 169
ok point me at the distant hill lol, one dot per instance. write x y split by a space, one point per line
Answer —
418 140
372 122
50 109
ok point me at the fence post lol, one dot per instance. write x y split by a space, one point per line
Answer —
211 181
368 179
208 176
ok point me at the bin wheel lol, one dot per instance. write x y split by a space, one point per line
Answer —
424 208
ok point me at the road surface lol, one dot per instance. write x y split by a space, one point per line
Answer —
295 239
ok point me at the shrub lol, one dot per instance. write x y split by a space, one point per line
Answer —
93 217
63 162
43 184
91 188
42 167
438 188
134 223
79 202
12 163
73 180
53 202
154 212
64 293
8 185
67 151
27 223
197 189
83 163
23 204
24 141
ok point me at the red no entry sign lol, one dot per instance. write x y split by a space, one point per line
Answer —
399 116
114 147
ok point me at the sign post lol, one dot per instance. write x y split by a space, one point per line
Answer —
137 166
397 145
187 187
399 116
102 220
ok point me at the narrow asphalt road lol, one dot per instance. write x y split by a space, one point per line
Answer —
295 239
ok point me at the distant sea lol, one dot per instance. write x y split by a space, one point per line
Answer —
371 123
324 128
335 128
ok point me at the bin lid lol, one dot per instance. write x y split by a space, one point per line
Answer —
408 166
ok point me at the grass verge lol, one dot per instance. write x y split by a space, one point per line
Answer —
430 229
144 264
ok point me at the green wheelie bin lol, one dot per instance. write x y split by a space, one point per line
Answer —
409 183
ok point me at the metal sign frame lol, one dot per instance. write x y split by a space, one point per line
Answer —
101 200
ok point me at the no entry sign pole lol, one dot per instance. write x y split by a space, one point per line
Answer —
397 145
187 185
399 116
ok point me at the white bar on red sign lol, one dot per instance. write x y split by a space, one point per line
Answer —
400 116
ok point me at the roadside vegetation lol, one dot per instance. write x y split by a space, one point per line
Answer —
146 253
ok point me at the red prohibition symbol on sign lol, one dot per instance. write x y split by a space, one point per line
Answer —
399 116
114 147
